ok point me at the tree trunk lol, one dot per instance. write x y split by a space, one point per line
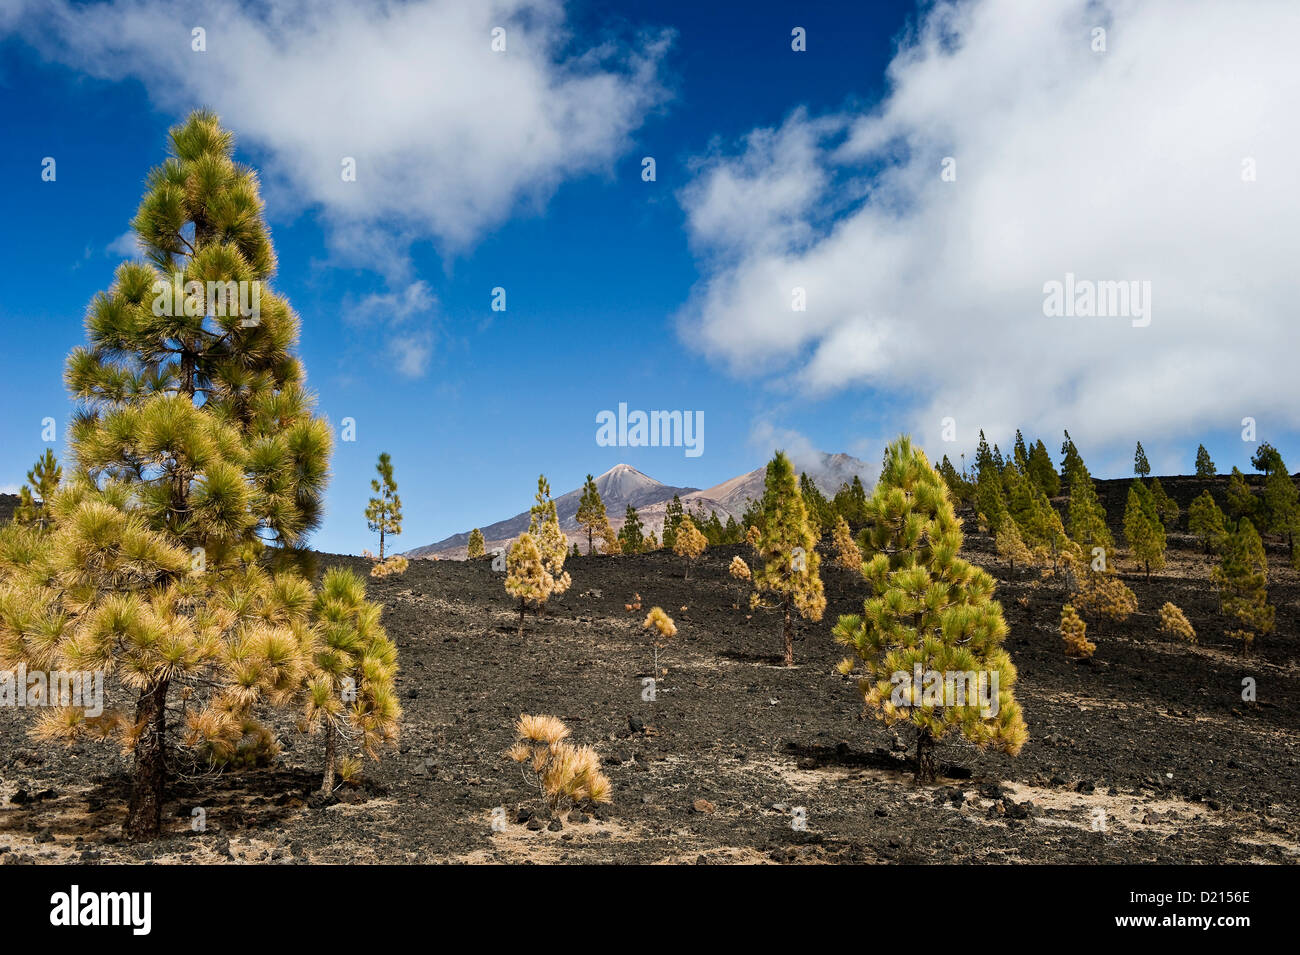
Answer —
381 541
331 749
521 616
149 774
588 541
927 767
789 637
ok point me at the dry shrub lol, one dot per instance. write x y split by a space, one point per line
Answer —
561 772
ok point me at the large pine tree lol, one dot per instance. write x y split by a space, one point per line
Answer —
198 469
930 611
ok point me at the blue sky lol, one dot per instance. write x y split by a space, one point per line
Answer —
619 290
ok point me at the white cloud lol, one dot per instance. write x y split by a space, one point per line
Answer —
449 137
124 246
411 352
406 318
1117 165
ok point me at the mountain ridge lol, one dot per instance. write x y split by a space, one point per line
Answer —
623 484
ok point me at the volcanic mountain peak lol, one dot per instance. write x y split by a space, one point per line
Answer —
623 482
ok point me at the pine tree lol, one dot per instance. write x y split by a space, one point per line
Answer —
1141 467
672 517
1242 579
1041 471
1087 517
930 610
789 577
526 576
1103 596
1174 622
1010 544
740 571
1204 466
173 556
690 543
1266 459
1281 503
35 496
819 510
591 510
552 543
951 477
990 502
731 531
850 501
1142 528
984 463
384 512
1242 503
350 691
1071 462
1205 520
1075 633
661 629
1020 454
847 553
609 540
1167 508
631 538
476 547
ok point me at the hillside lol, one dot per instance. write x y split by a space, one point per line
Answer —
1147 753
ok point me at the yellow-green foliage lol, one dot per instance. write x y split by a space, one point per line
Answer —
1242 579
526 576
560 771
384 512
789 578
1143 528
552 543
847 553
1175 623
476 546
1205 520
396 564
1009 543
34 496
170 559
350 690
690 543
1105 596
1075 633
928 608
